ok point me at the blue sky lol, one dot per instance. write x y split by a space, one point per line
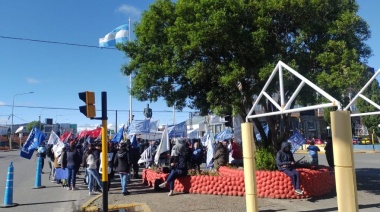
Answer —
56 73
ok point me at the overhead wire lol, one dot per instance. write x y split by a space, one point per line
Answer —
55 42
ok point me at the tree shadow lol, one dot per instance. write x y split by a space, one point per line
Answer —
368 180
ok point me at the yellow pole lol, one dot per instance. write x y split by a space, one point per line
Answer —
104 156
249 167
345 177
104 151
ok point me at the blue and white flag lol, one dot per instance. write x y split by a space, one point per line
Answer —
134 143
118 35
296 140
33 141
153 126
210 150
54 138
118 136
226 134
266 130
178 131
139 127
164 145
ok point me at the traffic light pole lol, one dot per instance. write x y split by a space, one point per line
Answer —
104 152
89 111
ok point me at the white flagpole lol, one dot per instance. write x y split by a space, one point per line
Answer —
130 77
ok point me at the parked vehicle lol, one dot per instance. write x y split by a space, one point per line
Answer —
356 140
316 141
366 141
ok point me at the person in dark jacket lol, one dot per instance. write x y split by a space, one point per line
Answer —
329 152
221 156
178 164
123 166
71 161
135 156
285 163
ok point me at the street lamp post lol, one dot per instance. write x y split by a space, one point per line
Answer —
328 131
373 139
13 105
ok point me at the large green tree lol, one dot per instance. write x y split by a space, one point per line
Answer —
372 92
194 52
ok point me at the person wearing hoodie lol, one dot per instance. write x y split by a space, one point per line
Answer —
123 166
221 156
93 174
285 163
178 164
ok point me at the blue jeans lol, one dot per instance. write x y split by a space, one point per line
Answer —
124 179
171 178
93 174
72 175
294 177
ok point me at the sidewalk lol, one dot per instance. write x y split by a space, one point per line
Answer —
161 202
368 197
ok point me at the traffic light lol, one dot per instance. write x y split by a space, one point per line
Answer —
89 109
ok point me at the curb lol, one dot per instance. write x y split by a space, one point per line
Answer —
87 208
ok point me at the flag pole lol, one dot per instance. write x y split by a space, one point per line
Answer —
130 77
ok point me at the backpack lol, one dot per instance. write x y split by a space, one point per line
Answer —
49 152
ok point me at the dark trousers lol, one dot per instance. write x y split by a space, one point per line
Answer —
135 167
330 160
294 177
42 163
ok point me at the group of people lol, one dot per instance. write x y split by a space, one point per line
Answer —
184 154
187 154
122 158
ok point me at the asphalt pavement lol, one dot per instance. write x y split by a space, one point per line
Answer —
55 198
368 183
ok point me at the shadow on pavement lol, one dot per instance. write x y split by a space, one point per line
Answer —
368 180
39 203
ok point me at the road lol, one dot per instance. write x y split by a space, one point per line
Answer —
55 198
52 198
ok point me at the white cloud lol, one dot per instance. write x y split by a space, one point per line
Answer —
32 81
2 103
130 11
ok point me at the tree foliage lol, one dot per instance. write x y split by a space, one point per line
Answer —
372 92
194 52
32 124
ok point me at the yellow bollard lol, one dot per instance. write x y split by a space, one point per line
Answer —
249 167
345 177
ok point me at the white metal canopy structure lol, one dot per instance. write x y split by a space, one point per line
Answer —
365 99
284 108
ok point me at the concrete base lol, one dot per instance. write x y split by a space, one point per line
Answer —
38 187
9 205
